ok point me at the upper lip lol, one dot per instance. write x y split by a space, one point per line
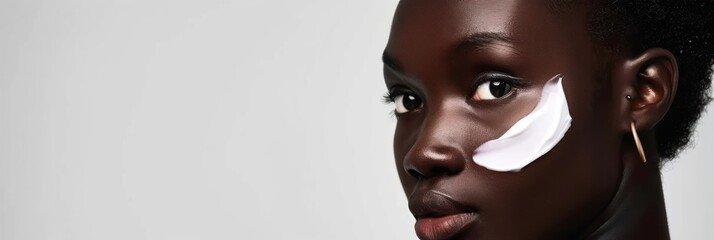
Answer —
431 204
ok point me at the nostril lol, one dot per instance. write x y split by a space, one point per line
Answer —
415 174
435 171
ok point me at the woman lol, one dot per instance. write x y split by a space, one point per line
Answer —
544 119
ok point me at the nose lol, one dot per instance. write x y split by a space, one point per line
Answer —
435 153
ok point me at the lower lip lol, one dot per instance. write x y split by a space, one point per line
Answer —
443 227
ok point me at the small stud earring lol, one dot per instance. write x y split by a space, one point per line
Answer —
637 142
628 97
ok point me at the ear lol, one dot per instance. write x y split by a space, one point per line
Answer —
651 80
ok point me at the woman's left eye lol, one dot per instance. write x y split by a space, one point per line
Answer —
493 89
407 102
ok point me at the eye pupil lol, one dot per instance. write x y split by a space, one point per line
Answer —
411 102
499 89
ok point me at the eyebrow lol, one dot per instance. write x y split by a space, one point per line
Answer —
473 42
478 41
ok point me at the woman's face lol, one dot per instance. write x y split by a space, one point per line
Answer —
438 56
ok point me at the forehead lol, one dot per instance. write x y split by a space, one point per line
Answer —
429 29
479 13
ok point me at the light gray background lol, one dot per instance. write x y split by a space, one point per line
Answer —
218 120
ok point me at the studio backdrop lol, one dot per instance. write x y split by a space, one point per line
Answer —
220 119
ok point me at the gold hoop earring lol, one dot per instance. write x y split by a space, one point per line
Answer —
637 142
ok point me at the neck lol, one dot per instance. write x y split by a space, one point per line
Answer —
637 210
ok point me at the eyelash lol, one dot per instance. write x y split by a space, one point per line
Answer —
388 97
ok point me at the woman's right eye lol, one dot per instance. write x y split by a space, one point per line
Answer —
407 102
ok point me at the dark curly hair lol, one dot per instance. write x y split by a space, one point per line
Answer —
685 28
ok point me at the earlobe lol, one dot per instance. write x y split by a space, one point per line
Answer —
653 78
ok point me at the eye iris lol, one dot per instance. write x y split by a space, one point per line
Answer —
499 89
411 102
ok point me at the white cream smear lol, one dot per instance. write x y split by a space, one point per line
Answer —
531 137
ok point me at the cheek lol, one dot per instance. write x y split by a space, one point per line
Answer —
584 171
566 188
597 139
595 135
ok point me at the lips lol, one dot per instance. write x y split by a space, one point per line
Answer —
439 216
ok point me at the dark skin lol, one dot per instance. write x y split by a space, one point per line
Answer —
592 185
